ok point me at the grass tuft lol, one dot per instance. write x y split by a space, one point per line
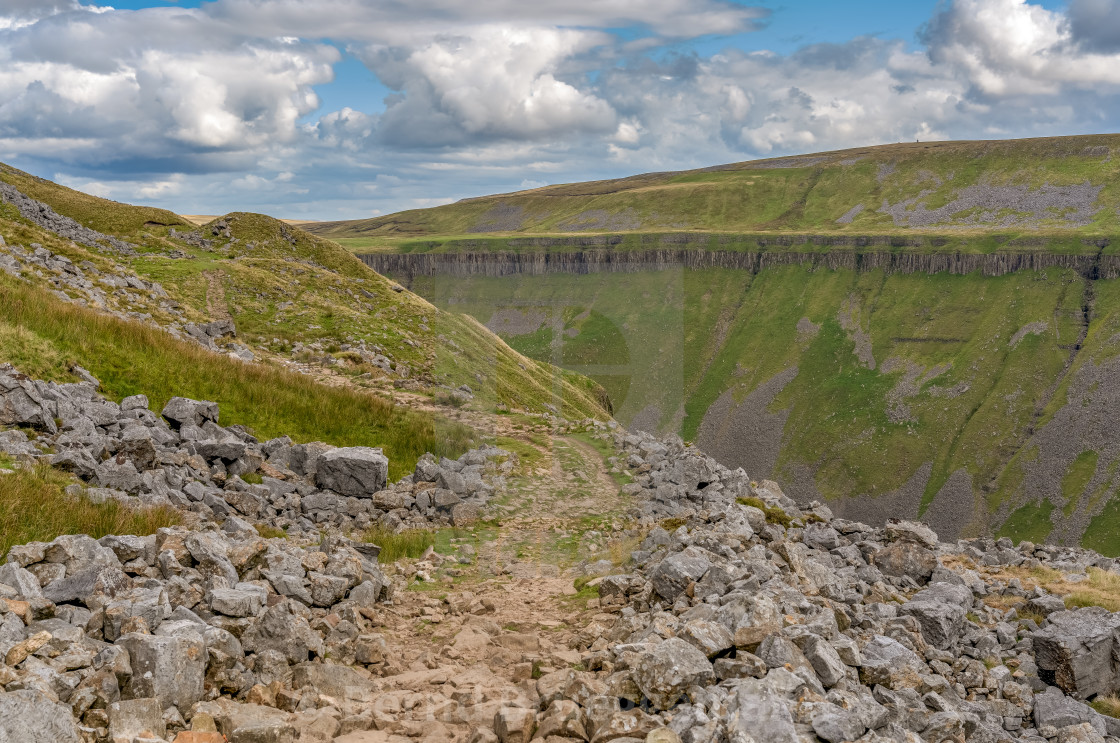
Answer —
35 508
774 515
1109 705
397 545
1102 589
270 532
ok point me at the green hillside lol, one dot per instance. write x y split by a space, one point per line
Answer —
284 289
1039 188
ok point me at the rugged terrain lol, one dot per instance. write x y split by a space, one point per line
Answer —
619 587
213 534
916 330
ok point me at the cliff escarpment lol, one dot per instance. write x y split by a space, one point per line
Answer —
968 389
596 260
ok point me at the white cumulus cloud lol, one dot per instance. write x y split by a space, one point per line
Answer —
491 95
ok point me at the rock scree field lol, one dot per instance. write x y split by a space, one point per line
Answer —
253 491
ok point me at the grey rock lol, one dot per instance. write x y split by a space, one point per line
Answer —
453 481
743 665
758 712
246 600
78 461
885 659
676 572
226 449
21 405
821 536
1046 605
285 631
824 659
135 402
12 631
249 723
27 554
666 671
710 638
913 532
940 610
340 682
613 587
30 717
118 473
170 669
137 445
750 617
304 458
289 585
326 590
219 328
427 469
79 552
465 514
181 410
778 652
136 718
835 724
1053 708
26 584
357 471
443 498
1075 651
150 604
905 558
129 547
367 592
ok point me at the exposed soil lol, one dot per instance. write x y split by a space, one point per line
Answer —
216 307
474 635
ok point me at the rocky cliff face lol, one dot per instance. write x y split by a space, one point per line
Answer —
853 257
967 389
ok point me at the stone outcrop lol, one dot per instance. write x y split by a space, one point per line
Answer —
596 254
184 459
778 622
739 615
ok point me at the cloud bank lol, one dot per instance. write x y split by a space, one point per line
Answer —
163 105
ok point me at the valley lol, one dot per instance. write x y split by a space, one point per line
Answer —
942 349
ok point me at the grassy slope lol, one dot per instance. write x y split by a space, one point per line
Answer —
111 217
770 196
334 297
44 337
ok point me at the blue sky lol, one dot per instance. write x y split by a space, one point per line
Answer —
333 109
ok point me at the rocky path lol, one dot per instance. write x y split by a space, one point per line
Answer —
216 307
502 608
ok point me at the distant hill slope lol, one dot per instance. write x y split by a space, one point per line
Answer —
1060 185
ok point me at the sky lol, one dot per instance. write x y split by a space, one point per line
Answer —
347 109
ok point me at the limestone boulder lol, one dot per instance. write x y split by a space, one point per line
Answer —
666 671
356 471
